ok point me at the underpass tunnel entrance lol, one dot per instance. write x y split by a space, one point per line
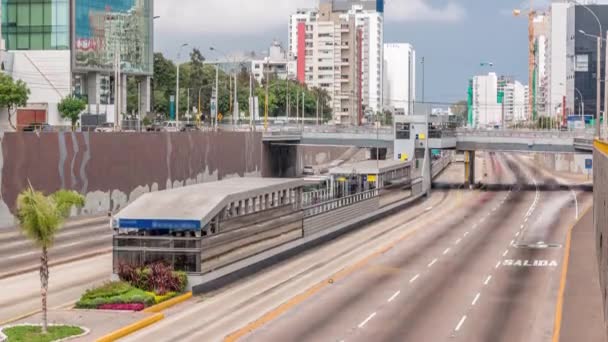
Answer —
469 168
281 159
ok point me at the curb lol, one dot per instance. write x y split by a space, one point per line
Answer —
131 328
56 263
557 323
158 315
168 303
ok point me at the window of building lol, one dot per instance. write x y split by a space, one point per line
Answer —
35 24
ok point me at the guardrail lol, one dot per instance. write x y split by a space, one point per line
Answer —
339 203
521 134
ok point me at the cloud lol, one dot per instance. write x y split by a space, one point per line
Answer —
250 17
421 10
236 17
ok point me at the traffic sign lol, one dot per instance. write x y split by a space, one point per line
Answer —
588 164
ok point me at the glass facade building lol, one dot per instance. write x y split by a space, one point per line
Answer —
36 24
103 28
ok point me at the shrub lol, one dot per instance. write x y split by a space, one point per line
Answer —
120 306
162 298
133 295
156 277
109 289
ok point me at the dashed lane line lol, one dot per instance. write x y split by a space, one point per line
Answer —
362 324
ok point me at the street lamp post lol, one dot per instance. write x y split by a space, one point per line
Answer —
582 107
177 83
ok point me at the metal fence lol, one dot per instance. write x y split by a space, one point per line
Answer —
324 207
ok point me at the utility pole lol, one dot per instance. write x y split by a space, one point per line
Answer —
188 110
251 101
317 109
598 76
199 113
297 107
303 114
235 112
139 106
423 85
266 98
217 101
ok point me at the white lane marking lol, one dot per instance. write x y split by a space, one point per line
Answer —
458 241
512 242
466 233
447 250
517 234
461 322
476 298
497 265
522 226
505 253
575 202
487 280
428 209
526 220
15 256
394 296
414 278
367 320
432 263
494 209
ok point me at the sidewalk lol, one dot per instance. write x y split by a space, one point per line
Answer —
583 318
99 322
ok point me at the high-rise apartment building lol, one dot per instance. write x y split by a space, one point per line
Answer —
399 78
515 102
486 109
339 49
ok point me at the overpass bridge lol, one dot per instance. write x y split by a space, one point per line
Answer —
461 140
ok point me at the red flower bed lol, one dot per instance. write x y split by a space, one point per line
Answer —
122 306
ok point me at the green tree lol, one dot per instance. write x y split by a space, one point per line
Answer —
40 217
13 94
70 108
164 83
461 110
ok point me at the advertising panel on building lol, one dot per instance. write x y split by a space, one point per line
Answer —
104 27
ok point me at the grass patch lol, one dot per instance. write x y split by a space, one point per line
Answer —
114 293
33 333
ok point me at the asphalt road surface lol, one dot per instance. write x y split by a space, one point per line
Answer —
463 265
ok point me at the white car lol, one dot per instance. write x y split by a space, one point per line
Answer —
170 126
105 128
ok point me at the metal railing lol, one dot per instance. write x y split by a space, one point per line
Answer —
522 133
340 203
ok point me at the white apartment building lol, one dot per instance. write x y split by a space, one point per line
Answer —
560 46
342 49
486 109
399 77
515 105
278 62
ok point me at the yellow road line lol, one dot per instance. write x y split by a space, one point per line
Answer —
281 309
131 328
557 325
169 303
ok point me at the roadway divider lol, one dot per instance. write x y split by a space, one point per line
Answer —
131 328
157 315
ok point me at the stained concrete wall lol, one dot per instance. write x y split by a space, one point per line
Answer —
113 169
600 218
563 162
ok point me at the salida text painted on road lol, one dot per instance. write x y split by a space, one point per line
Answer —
529 263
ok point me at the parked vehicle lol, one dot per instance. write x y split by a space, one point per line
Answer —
189 127
105 127
308 170
170 126
38 127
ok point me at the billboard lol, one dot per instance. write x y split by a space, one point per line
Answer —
104 28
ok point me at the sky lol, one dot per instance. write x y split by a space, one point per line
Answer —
454 36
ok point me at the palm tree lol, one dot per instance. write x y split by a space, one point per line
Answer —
40 217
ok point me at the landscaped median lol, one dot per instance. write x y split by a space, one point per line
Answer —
33 333
139 288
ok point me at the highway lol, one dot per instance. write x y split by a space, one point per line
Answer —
80 259
463 265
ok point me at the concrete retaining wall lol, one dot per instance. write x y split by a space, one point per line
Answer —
600 217
563 162
113 169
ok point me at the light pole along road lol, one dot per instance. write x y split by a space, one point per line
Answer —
462 266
